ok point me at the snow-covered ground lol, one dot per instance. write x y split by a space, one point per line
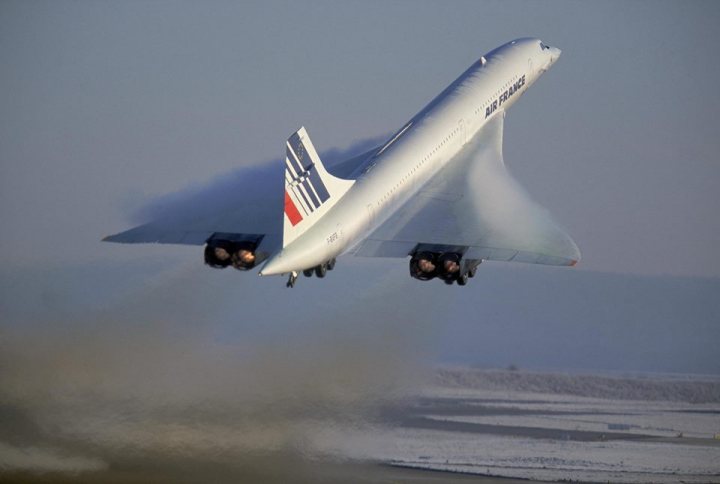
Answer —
547 459
552 427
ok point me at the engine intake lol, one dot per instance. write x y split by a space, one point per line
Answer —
449 266
423 266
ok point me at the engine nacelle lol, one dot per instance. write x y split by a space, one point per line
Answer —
223 253
448 266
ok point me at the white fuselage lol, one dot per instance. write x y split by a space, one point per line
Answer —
418 151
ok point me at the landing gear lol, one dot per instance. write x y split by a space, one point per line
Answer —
291 280
321 270
463 279
473 268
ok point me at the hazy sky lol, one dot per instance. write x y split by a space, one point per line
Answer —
106 106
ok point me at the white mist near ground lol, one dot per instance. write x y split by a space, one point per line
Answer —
185 366
184 360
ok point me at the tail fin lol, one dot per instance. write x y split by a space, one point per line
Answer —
310 191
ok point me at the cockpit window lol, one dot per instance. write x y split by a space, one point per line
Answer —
543 46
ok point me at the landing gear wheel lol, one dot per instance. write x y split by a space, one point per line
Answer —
308 272
462 279
291 280
321 270
331 264
472 271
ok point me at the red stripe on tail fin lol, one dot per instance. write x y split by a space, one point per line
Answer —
291 210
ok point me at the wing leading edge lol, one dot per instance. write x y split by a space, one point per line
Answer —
475 206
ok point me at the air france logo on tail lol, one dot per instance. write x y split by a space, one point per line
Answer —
310 191
305 192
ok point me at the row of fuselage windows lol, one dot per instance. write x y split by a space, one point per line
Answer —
426 158
483 107
445 140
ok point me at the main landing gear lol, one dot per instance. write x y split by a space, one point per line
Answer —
320 271
463 277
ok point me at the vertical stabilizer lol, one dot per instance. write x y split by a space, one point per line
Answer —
310 191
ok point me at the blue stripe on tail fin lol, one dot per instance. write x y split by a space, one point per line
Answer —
310 191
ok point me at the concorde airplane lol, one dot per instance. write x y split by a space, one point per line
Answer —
437 192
